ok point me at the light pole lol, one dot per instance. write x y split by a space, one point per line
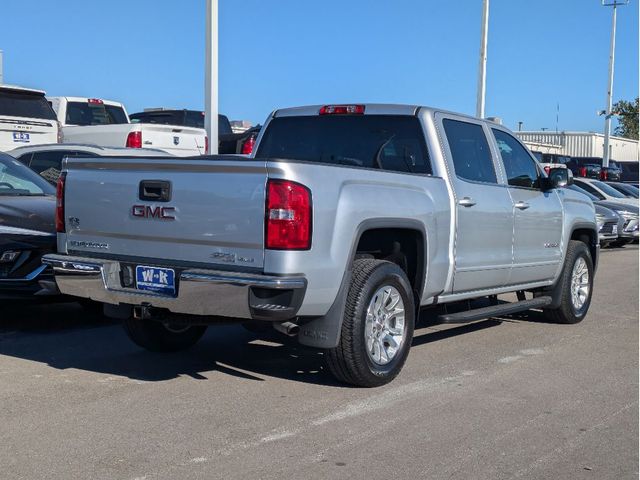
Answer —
482 66
211 76
612 52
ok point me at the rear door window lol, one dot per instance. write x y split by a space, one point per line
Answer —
470 151
386 142
14 103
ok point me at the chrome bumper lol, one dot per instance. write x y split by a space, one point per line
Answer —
200 291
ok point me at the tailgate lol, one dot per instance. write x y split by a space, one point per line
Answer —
18 132
178 140
172 211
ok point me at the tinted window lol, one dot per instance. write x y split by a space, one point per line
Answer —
164 118
576 188
389 142
16 179
84 113
24 104
470 151
612 192
521 169
589 188
538 156
186 118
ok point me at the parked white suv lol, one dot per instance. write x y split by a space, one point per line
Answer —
106 123
26 118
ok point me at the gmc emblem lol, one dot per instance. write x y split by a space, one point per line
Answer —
146 211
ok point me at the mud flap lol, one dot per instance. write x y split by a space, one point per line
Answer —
324 332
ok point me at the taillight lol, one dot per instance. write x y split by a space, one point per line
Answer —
206 145
342 110
288 216
134 140
604 174
60 203
95 101
547 169
248 144
582 172
60 134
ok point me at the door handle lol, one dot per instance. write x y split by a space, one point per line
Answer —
466 202
522 205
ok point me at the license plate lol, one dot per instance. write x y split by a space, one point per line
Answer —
155 279
21 137
615 230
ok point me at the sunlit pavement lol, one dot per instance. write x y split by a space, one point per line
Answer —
507 398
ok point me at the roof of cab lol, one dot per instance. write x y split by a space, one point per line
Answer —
5 86
86 99
370 109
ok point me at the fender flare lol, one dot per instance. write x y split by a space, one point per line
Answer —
324 331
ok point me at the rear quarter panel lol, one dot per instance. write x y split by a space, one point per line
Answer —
347 201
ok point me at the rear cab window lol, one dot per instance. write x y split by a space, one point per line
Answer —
385 142
88 113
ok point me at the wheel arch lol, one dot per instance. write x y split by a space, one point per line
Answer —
324 331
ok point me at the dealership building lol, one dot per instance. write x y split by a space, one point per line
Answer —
581 144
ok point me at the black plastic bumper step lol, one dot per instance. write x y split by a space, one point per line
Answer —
494 310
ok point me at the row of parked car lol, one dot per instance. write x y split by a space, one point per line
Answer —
28 117
591 167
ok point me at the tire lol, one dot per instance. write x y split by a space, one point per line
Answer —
568 312
350 362
156 336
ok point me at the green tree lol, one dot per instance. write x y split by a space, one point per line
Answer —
627 118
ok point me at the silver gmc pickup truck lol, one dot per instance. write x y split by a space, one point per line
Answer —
344 223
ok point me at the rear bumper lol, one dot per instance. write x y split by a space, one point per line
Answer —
199 291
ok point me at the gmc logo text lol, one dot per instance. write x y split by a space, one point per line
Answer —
146 211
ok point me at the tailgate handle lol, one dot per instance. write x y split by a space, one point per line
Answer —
155 190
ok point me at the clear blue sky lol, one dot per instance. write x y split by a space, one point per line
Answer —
278 53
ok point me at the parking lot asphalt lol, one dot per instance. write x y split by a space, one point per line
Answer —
505 398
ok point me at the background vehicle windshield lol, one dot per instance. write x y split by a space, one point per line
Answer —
84 113
612 192
389 142
15 103
16 179
575 188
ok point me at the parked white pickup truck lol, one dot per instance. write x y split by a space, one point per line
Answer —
25 118
106 123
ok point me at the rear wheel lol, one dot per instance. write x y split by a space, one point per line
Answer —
377 327
577 285
163 337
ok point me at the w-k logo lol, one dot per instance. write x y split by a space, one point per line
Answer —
151 277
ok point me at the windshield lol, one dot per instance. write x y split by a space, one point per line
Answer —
389 142
575 188
612 192
17 103
18 180
85 113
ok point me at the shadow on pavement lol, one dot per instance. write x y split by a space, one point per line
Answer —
65 336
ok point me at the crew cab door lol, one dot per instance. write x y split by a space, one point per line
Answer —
537 234
483 207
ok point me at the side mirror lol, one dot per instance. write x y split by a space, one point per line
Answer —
558 177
